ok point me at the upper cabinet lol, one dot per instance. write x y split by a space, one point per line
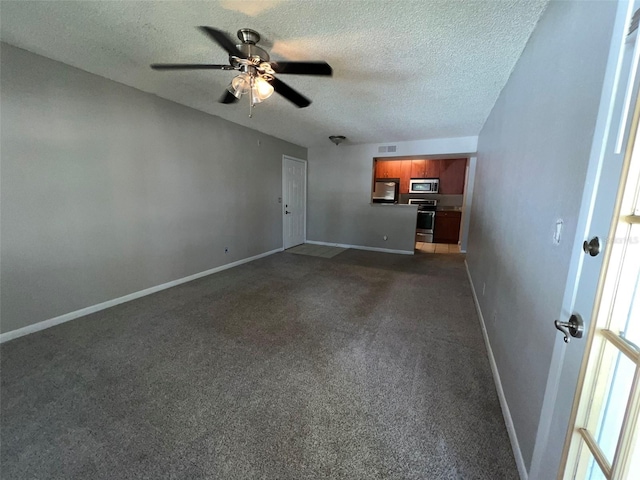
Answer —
395 169
452 173
425 168
405 175
431 169
418 168
388 168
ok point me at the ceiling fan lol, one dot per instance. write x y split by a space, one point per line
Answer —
257 74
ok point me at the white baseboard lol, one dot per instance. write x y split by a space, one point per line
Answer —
5 337
515 446
361 247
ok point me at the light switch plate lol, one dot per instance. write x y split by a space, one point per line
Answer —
557 233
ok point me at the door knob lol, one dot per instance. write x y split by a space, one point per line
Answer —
286 212
592 247
574 327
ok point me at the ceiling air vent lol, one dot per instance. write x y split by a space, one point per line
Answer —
387 148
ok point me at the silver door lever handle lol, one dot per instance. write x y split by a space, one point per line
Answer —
574 327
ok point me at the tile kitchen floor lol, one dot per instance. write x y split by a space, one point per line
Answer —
437 248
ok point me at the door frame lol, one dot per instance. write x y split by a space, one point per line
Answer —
282 199
605 121
470 176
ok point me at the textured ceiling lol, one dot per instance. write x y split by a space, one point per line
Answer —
403 69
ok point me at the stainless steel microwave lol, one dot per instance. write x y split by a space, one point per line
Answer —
424 185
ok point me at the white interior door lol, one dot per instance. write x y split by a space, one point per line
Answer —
611 135
294 201
604 439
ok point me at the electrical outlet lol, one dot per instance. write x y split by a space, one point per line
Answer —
385 238
226 249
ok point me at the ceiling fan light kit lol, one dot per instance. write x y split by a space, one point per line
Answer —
257 73
244 83
240 85
261 89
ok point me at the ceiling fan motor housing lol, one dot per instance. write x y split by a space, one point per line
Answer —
246 35
253 53
248 47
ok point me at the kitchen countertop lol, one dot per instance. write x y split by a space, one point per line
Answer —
392 205
444 208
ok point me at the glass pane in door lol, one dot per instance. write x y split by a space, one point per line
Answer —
626 310
631 201
594 472
614 379
634 468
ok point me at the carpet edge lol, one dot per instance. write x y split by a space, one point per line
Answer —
52 322
361 247
506 413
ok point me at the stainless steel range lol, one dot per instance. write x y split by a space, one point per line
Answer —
426 218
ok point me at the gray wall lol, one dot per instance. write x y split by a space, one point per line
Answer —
107 190
340 180
533 153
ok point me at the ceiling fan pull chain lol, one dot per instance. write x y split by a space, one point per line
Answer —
251 98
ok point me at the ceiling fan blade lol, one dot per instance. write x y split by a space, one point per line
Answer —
228 97
222 39
303 68
189 66
290 94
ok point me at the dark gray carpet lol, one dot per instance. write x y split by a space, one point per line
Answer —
364 366
324 251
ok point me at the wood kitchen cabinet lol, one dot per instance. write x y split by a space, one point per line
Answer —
405 175
452 173
425 168
395 169
446 228
432 169
417 168
388 168
382 170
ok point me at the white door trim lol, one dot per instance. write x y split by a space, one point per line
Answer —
466 202
305 162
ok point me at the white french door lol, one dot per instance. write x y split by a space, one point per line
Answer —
604 443
593 381
294 201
